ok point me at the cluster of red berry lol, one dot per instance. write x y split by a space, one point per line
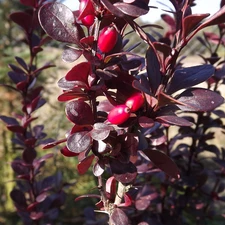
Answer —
108 35
121 113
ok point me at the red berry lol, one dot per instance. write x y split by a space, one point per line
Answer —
107 39
66 152
89 19
135 102
119 114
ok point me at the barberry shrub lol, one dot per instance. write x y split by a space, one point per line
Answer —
145 175
123 107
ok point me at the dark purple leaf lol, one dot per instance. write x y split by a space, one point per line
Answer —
163 162
19 168
71 54
164 48
153 70
58 22
84 165
17 77
190 22
79 142
22 19
9 120
173 120
16 69
79 112
79 72
198 99
131 64
188 77
29 155
100 131
15 128
18 197
123 172
118 217
136 9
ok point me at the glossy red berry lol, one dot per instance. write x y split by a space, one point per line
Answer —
119 114
90 18
135 101
107 39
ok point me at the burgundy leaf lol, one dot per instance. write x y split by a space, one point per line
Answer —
169 20
18 197
190 22
22 19
29 155
84 165
153 70
79 72
79 112
199 99
52 143
58 22
164 48
113 9
190 76
163 162
41 197
173 120
110 188
69 95
138 8
123 172
100 131
79 142
31 3
36 215
146 122
118 217
70 55
68 85
16 128
19 168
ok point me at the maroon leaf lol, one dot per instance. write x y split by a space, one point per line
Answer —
118 217
36 215
70 55
110 188
16 128
58 22
153 70
41 197
113 9
138 8
174 120
31 3
29 155
163 162
69 95
22 19
79 112
169 20
18 197
84 165
190 76
100 131
190 22
79 142
146 122
199 99
123 172
79 72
